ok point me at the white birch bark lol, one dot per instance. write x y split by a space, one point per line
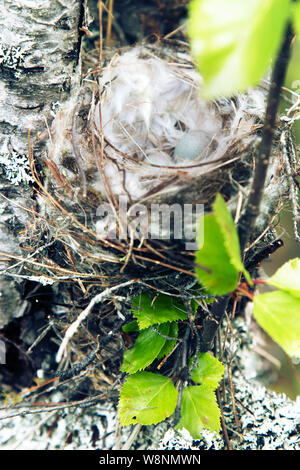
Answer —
39 56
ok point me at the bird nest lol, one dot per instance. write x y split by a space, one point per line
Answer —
137 150
131 158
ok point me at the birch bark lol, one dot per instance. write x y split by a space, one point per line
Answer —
39 57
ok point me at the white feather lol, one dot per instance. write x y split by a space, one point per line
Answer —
147 103
151 109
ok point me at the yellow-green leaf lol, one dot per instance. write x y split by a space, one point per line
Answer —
213 267
278 313
218 261
234 41
208 370
146 398
151 311
229 232
287 277
199 410
145 349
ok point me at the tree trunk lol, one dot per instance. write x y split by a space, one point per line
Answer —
39 58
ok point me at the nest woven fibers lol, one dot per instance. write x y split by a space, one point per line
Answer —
136 143
131 156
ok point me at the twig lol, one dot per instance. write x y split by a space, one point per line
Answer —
117 435
109 22
39 338
28 437
223 424
290 154
132 437
211 323
247 220
236 418
182 381
77 368
95 300
100 10
169 338
48 407
167 357
23 260
194 332
172 33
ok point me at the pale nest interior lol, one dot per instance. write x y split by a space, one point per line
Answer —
141 129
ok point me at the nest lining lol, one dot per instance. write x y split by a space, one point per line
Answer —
148 115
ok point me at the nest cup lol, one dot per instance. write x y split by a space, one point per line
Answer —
136 155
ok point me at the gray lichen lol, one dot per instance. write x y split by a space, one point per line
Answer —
15 168
75 428
12 58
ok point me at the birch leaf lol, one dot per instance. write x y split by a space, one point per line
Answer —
199 410
233 42
278 313
146 398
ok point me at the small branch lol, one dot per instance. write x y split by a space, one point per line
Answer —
247 221
78 367
169 338
132 437
184 371
95 300
48 407
223 424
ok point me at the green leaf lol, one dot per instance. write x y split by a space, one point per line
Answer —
199 410
162 309
287 277
208 370
233 42
218 261
131 327
146 398
229 232
219 276
278 313
146 348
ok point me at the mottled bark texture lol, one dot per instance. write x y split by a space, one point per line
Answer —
39 56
